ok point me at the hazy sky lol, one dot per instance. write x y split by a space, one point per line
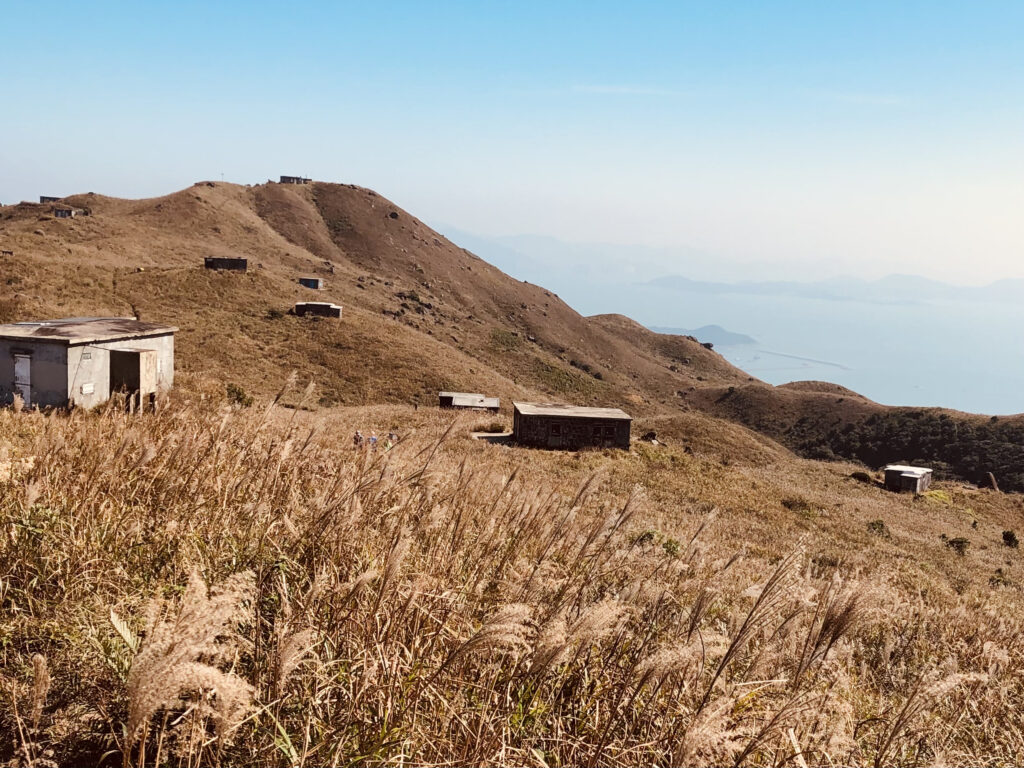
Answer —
824 137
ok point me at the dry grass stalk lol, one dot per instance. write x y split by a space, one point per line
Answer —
40 687
179 658
473 605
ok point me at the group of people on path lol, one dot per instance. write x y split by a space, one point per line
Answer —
359 442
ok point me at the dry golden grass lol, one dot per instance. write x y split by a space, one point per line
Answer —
215 586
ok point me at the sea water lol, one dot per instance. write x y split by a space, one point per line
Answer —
956 354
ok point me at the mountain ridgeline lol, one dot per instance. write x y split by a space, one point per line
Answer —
422 315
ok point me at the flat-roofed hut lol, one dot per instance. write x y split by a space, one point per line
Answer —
469 401
569 427
903 478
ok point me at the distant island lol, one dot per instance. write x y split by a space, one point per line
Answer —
714 334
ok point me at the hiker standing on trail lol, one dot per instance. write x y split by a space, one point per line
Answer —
357 440
373 441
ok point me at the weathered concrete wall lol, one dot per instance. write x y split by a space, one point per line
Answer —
89 367
226 262
48 372
320 309
570 433
895 481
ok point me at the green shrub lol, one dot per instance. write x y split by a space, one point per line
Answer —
801 506
505 341
958 545
238 396
879 528
999 579
493 427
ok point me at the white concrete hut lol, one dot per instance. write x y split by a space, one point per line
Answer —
901 477
81 361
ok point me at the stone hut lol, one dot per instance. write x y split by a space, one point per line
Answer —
228 263
901 478
569 427
320 308
468 401
83 360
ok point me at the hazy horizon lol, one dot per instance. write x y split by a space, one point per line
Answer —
641 262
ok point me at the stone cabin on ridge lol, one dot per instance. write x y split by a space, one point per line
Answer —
81 361
318 308
900 478
230 263
569 427
472 401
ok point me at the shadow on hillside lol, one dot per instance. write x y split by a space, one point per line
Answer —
497 438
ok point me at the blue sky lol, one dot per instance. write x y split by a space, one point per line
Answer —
797 138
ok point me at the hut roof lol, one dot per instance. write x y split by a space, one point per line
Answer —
906 469
577 411
83 330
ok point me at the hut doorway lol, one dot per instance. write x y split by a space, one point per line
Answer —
23 378
133 372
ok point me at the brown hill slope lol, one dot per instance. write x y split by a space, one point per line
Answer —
422 314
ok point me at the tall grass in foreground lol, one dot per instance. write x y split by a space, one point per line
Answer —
201 587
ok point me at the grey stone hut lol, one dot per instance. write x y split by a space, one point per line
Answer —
468 401
81 361
569 427
318 308
902 478
316 283
226 262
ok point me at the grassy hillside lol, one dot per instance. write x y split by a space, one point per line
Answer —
826 421
421 314
222 585
216 586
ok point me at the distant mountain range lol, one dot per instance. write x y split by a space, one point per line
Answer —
715 334
893 289
585 267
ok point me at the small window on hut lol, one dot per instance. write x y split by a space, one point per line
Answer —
556 430
609 431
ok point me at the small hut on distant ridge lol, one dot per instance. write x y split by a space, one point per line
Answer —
468 401
901 478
